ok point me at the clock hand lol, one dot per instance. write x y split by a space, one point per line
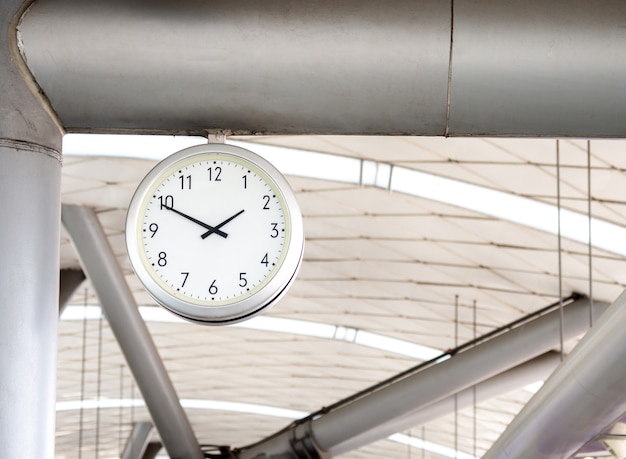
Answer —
216 229
204 225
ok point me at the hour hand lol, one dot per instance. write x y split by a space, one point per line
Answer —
216 229
198 222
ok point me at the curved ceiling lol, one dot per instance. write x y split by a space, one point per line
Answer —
376 261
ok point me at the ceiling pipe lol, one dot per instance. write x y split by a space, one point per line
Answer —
428 67
583 396
131 332
527 373
321 433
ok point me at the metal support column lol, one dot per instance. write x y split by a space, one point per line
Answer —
29 286
131 332
30 197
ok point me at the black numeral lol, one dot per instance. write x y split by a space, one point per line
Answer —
265 260
162 261
266 205
274 234
185 276
245 181
213 288
242 280
153 228
214 174
166 201
185 180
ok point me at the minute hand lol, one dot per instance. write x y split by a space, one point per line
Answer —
202 224
216 229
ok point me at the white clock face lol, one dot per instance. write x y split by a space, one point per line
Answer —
213 229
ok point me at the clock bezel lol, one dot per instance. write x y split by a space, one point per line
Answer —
239 308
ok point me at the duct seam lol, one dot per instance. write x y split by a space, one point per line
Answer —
449 88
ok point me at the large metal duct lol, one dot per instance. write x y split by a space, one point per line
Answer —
428 67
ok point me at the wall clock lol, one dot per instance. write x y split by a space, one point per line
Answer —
215 234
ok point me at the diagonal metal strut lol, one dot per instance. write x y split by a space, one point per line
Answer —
327 429
131 332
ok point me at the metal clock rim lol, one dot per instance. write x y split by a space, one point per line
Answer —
240 309
248 315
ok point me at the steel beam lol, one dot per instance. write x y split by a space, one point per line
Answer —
121 311
585 395
529 372
430 385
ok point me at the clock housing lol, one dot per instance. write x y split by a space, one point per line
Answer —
215 234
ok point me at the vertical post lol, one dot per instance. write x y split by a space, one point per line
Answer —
29 286
30 207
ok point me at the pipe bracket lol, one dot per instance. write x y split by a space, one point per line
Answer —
304 445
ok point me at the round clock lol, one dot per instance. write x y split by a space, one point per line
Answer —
214 233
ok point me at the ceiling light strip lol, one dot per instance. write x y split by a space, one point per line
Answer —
246 408
283 325
151 147
202 404
311 164
506 206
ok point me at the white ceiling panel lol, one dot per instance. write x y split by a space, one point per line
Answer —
381 262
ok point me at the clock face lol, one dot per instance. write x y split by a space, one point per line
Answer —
214 234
